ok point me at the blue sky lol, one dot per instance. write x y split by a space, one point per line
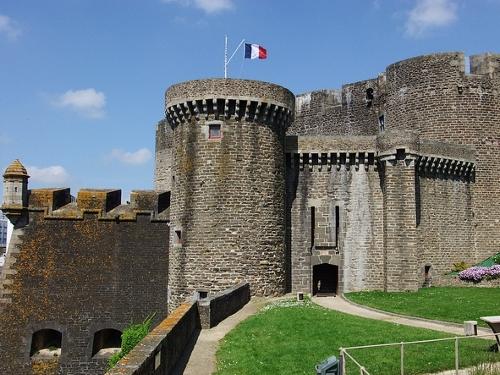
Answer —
82 81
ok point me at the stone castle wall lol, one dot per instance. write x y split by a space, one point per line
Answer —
434 96
163 157
344 112
444 223
315 183
227 212
78 270
438 162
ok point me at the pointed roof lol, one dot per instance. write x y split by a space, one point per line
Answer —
16 169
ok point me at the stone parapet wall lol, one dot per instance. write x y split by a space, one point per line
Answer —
218 307
325 144
229 88
353 110
161 351
56 204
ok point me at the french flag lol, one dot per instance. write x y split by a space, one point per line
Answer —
255 51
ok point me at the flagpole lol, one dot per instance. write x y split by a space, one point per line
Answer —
225 56
226 60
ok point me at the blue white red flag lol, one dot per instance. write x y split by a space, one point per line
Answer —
255 51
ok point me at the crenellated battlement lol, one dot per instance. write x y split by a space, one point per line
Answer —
219 99
366 107
57 203
365 94
327 153
249 109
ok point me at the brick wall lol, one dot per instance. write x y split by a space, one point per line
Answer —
78 276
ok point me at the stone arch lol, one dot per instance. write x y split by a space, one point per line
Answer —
106 341
46 342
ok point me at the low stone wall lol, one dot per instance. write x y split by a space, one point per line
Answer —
161 351
164 350
218 307
455 281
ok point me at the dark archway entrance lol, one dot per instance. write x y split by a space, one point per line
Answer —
325 280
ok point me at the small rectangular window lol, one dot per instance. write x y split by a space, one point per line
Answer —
313 225
337 226
178 237
214 131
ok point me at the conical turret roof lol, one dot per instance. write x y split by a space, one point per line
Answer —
16 169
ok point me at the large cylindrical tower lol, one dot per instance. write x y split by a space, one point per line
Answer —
435 96
228 185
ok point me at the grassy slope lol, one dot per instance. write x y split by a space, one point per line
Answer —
448 304
291 340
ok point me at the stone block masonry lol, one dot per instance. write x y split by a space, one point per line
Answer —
227 212
77 271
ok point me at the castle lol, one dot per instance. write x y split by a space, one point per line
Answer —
381 185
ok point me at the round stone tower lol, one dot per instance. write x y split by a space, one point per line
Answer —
435 96
228 206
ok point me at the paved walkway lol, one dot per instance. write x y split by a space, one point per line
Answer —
340 304
202 360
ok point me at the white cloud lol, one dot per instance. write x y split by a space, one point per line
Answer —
140 156
9 27
54 175
208 6
87 102
430 14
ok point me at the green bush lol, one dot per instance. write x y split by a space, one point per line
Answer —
459 267
496 258
131 336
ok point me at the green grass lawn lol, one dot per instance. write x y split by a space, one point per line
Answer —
448 304
291 340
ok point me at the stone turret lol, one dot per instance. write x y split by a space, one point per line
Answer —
228 184
15 190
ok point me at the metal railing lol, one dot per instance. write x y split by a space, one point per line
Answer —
344 354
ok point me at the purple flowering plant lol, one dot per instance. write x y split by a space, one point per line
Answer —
477 274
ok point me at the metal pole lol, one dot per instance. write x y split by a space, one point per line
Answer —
402 358
362 371
457 361
225 56
342 362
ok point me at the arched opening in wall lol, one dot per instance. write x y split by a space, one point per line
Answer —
325 280
46 343
106 342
